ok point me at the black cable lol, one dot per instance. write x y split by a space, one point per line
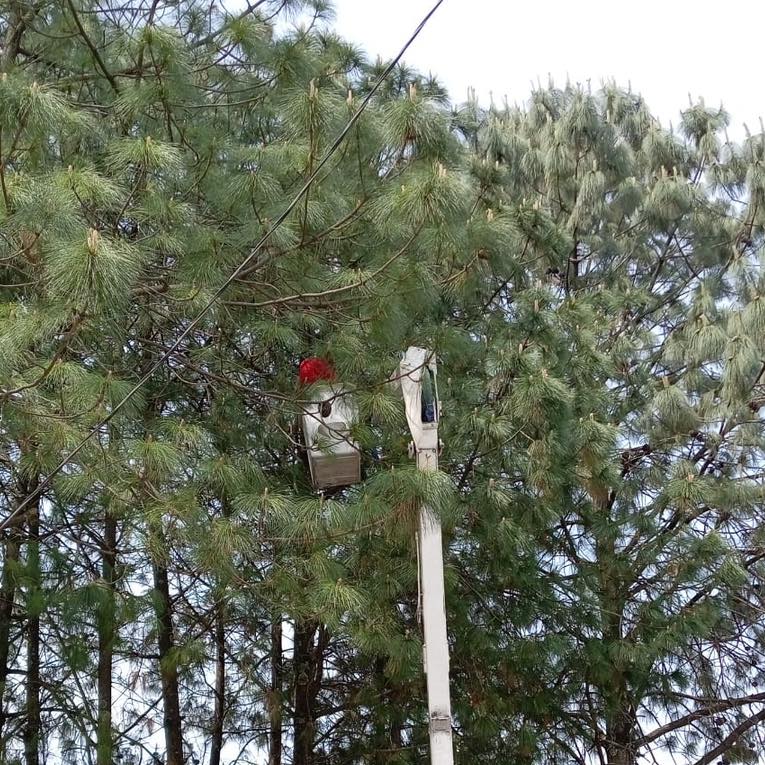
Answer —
242 266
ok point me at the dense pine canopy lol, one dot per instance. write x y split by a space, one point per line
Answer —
592 284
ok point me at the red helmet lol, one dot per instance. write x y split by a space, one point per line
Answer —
314 369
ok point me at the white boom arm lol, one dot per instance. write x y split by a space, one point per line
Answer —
416 363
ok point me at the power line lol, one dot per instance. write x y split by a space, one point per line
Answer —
242 266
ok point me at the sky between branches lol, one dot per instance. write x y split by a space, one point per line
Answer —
665 48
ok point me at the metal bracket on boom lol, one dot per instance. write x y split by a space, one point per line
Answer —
440 723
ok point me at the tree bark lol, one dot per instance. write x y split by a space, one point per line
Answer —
21 15
13 34
308 666
382 713
32 729
620 744
12 542
275 710
620 703
219 713
389 714
303 728
107 633
167 666
7 599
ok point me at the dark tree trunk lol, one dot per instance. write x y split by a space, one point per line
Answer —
7 600
167 667
21 15
107 633
620 749
381 712
389 714
32 729
397 729
308 668
12 541
621 724
275 704
619 700
303 724
13 34
219 713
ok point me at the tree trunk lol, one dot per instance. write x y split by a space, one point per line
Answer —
617 696
21 15
32 729
388 717
275 704
7 599
381 714
167 666
219 713
308 667
620 749
13 34
303 729
107 633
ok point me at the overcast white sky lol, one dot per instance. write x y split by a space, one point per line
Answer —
666 48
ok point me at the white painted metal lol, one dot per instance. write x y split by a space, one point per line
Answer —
416 363
436 649
333 456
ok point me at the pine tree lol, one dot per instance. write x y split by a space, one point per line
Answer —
144 153
629 382
590 283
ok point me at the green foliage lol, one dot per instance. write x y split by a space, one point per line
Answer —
592 286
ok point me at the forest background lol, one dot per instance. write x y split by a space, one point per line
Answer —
592 283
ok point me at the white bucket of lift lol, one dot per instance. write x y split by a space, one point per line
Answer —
333 456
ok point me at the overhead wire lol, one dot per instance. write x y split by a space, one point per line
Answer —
46 482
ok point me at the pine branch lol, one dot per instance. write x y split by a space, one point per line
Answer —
300 296
712 708
92 47
69 334
731 739
248 11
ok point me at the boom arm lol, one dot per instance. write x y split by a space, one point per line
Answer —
422 415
